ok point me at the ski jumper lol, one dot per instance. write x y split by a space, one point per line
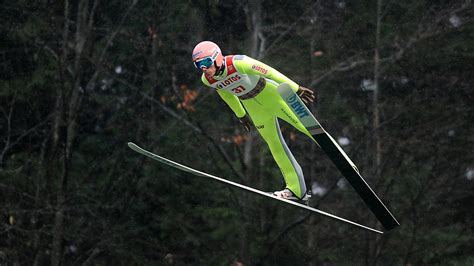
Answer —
250 86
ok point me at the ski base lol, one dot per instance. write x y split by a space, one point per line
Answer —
181 167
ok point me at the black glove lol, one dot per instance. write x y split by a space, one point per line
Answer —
306 95
246 122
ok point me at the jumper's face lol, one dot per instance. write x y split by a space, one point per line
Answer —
207 65
210 71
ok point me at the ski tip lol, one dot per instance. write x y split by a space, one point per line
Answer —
132 145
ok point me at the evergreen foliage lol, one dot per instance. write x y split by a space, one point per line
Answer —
79 79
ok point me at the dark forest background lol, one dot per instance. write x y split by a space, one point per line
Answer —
79 79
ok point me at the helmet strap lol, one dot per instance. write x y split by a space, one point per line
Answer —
219 70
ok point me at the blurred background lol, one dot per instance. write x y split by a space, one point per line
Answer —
79 79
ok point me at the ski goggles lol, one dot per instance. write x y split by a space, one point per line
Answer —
205 62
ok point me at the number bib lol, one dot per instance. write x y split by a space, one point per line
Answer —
235 82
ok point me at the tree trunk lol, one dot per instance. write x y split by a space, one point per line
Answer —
377 150
376 115
69 118
311 174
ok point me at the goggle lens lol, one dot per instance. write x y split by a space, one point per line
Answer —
205 62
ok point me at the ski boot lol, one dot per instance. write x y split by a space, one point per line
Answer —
287 194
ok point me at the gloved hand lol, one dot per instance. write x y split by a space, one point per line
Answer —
306 95
246 122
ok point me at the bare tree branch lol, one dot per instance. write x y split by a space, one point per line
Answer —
186 122
99 62
288 30
429 27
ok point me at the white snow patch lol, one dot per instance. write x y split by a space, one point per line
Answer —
317 189
341 183
403 80
455 21
118 69
367 85
343 141
72 248
451 133
470 173
341 4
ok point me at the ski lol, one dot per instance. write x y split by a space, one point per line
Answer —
190 170
337 155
